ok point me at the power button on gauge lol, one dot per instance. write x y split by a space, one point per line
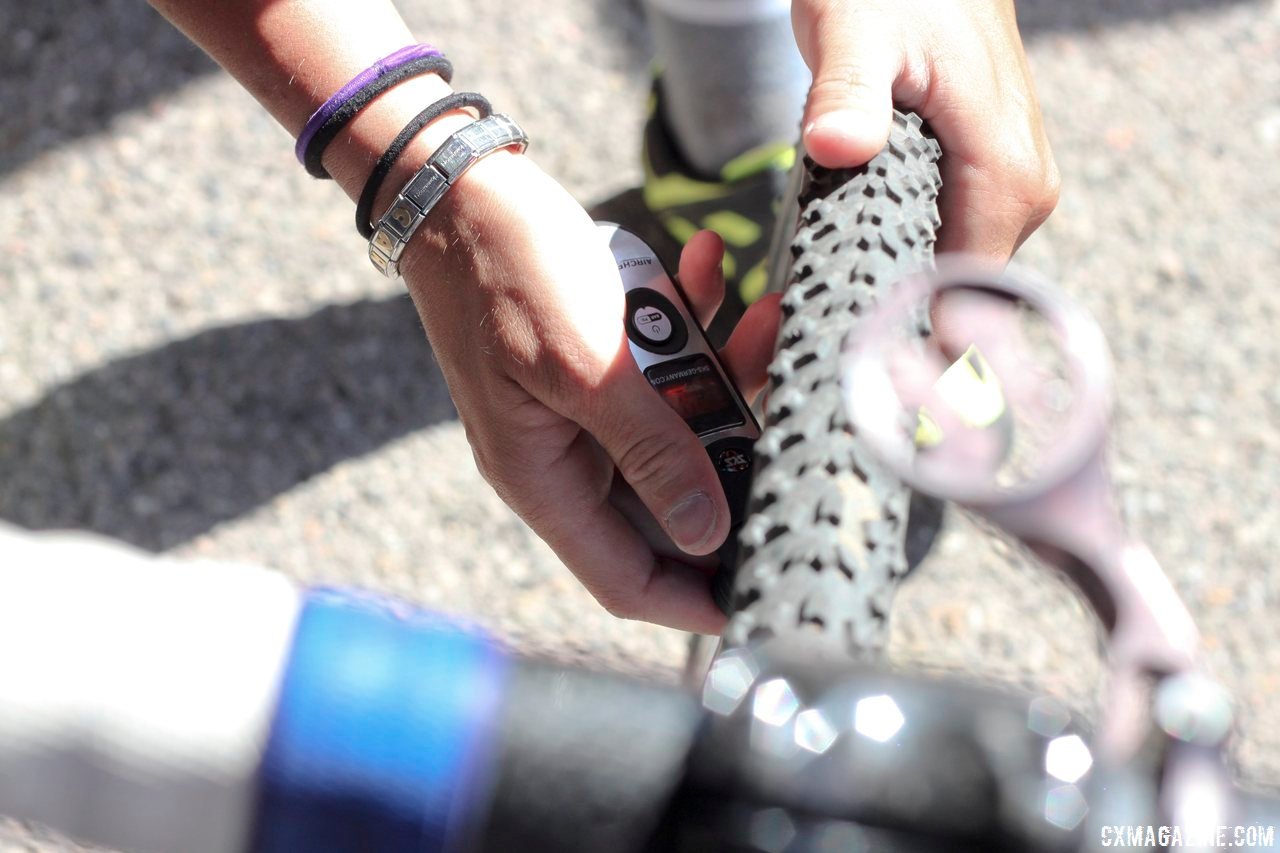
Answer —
654 323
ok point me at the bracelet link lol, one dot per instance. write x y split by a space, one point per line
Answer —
383 241
399 218
455 156
424 190
382 263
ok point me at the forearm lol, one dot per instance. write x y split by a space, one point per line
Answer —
293 54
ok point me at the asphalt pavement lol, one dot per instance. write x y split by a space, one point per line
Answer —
196 358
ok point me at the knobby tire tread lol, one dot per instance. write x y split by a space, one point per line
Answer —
824 545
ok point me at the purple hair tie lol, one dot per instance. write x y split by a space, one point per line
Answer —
334 114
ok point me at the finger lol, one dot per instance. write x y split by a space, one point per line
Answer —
621 571
656 453
856 57
606 553
623 498
702 276
747 353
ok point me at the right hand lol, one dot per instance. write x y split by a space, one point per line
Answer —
963 68
523 305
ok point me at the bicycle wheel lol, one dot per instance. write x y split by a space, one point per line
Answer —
825 541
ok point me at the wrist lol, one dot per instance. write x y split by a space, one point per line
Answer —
351 157
485 208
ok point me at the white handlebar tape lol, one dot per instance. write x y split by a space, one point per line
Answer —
136 693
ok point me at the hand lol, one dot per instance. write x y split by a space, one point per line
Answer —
524 307
961 67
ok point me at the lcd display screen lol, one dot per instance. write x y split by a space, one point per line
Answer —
693 387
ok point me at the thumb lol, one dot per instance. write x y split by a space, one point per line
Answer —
856 59
660 457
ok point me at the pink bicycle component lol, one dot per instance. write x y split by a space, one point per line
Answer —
945 418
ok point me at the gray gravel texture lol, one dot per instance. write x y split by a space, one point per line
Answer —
196 358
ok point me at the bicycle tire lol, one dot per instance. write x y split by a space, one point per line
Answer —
825 541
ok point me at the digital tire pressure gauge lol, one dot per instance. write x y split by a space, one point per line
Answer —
674 354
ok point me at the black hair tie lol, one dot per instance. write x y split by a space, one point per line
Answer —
456 101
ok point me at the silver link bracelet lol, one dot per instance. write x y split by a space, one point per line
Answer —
459 152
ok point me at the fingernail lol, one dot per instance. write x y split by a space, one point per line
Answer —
692 521
848 124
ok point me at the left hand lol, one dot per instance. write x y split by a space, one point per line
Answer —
959 65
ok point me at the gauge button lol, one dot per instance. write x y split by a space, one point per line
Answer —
653 323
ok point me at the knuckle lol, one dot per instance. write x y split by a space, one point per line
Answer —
503 461
619 603
494 454
839 82
1051 187
649 461
627 597
480 451
525 495
1024 170
567 373
1038 187
490 462
557 368
509 340
1029 174
840 17
822 10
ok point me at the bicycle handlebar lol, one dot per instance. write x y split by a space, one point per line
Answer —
152 706
149 706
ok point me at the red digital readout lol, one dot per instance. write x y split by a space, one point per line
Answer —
698 395
694 389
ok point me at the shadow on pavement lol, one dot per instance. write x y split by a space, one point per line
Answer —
67 68
157 448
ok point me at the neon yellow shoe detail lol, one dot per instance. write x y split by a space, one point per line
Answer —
736 229
972 390
753 282
928 433
740 203
666 191
679 227
779 155
730 266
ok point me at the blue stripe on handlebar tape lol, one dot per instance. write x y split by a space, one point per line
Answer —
383 732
